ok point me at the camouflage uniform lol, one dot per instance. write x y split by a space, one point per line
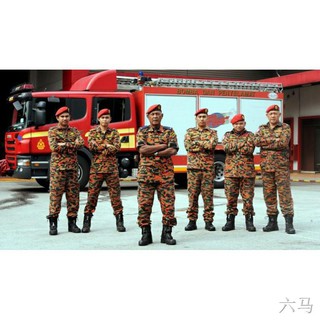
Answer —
275 167
64 169
239 172
156 173
200 145
104 167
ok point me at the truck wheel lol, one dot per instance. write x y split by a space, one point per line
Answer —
83 172
44 183
219 160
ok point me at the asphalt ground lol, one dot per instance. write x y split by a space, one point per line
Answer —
24 206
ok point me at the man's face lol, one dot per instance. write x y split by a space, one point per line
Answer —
63 119
201 120
155 118
105 120
239 126
273 116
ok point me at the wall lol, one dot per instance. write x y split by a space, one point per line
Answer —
301 102
46 79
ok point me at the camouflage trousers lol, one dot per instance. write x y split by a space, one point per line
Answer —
273 182
200 181
166 197
95 183
245 186
64 181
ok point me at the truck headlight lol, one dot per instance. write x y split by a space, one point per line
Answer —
24 163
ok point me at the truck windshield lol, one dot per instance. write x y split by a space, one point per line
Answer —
21 116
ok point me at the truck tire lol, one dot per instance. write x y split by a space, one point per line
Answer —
83 172
44 183
219 161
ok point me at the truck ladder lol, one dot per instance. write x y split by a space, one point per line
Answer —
133 83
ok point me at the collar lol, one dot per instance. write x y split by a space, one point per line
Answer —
279 124
205 128
63 128
239 133
100 130
160 129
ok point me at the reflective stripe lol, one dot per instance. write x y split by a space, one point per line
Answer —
35 134
131 143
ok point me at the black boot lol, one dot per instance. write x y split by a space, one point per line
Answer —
210 227
53 229
72 227
86 222
192 225
119 223
289 224
146 236
272 224
230 223
166 236
249 222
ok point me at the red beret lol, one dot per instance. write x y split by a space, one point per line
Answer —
154 107
204 110
273 107
102 112
238 117
62 110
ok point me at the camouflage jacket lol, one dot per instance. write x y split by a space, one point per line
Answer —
200 145
274 145
239 149
64 157
149 166
104 158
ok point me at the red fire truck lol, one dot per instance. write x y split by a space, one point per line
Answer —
26 141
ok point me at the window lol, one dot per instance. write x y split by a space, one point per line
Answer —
77 107
119 108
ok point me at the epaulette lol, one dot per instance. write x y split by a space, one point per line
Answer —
144 127
167 128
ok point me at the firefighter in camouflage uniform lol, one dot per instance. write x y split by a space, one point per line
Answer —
156 145
239 172
273 138
64 142
200 143
104 143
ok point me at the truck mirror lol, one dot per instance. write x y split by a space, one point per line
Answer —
17 105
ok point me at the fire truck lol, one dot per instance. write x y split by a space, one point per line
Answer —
26 141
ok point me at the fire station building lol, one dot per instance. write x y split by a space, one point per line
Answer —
301 90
